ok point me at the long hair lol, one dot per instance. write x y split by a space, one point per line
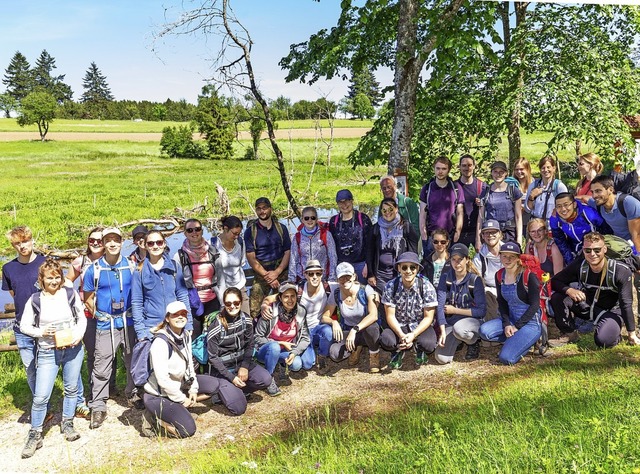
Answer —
93 231
593 160
522 161
154 232
222 315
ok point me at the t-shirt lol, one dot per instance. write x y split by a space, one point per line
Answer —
441 205
618 223
500 207
410 303
352 315
232 267
113 292
269 245
315 305
22 279
471 209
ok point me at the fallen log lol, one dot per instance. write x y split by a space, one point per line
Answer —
7 348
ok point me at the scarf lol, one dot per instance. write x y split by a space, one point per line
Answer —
287 316
309 233
391 233
197 253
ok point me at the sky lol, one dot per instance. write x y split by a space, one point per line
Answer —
118 36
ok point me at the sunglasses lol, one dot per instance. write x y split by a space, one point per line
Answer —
155 243
97 242
191 230
411 268
309 218
595 250
230 304
440 242
388 210
314 274
179 314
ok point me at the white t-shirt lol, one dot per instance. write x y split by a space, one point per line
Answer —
315 305
352 315
232 268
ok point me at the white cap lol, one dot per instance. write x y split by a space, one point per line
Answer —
345 268
175 307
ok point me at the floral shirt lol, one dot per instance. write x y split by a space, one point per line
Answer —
410 303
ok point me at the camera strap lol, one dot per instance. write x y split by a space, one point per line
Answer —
603 274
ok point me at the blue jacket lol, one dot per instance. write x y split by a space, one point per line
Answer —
152 291
568 235
468 294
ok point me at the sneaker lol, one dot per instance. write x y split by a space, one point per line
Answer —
354 357
396 360
421 357
82 411
374 362
148 422
273 389
66 428
473 351
215 399
323 365
136 402
34 442
97 418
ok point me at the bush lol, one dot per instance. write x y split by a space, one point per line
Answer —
177 142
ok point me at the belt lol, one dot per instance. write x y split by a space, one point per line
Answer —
205 287
102 317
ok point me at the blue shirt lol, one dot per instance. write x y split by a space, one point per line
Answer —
618 223
113 292
22 279
269 245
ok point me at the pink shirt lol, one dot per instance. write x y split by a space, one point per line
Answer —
202 276
284 332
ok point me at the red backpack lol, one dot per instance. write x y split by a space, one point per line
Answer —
324 229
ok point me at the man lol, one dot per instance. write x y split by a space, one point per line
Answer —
605 295
351 231
410 303
107 292
570 222
268 248
407 207
472 189
138 235
441 204
19 278
487 261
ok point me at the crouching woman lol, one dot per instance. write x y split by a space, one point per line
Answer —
519 325
173 385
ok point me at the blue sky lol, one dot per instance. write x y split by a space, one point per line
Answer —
117 36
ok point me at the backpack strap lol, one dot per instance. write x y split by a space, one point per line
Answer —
500 276
620 200
36 305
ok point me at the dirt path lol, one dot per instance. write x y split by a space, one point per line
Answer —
353 391
151 137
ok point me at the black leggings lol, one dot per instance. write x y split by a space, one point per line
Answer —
176 414
234 398
426 341
369 337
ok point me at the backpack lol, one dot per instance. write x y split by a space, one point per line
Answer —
337 220
253 225
362 298
609 279
627 183
324 229
511 191
35 304
97 268
471 284
141 362
553 189
185 262
620 202
530 249
617 247
199 344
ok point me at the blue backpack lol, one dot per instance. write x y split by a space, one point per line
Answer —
140 361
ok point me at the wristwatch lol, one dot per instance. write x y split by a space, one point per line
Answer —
357 328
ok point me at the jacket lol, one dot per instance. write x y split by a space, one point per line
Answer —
428 268
468 294
302 340
230 348
409 243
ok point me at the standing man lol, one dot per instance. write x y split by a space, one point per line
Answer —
407 207
268 248
472 189
351 231
441 204
107 292
19 278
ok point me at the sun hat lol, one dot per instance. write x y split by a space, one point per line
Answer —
313 265
408 257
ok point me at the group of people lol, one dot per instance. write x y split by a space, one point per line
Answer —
322 295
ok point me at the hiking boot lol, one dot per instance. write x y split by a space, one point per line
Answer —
396 360
82 411
573 337
273 389
148 423
215 399
374 362
473 351
136 402
323 365
66 428
421 357
354 357
34 441
97 418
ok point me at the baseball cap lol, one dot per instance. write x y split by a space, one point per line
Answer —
344 269
459 249
510 247
111 230
344 194
491 224
499 164
175 307
263 200
287 285
140 229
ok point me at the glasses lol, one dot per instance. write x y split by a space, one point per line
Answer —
564 206
155 243
491 233
314 274
595 250
97 242
309 218
388 210
230 304
411 268
440 242
191 230
541 230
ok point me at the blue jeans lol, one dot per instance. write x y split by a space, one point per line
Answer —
27 348
49 361
516 346
271 354
321 337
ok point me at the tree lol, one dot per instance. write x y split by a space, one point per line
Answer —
215 124
8 104
18 77
42 78
96 91
280 108
38 107
364 82
362 107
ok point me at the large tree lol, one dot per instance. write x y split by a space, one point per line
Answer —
38 107
18 77
97 93
215 124
43 78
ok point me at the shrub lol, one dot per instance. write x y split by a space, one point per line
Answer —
177 142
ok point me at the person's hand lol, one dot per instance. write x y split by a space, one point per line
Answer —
243 374
372 281
270 276
238 383
49 330
350 342
449 309
510 330
287 346
535 192
289 359
633 339
576 295
442 338
275 284
456 236
337 331
409 338
266 311
365 271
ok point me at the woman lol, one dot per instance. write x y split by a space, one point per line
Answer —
230 346
392 236
54 316
357 323
230 247
95 250
313 241
461 307
543 247
156 282
541 194
284 338
502 202
523 177
518 326
437 262
201 269
173 385
589 166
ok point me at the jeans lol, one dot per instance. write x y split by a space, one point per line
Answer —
324 335
49 360
271 353
27 348
516 346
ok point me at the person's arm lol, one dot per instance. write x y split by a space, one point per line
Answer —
88 289
479 308
213 347
137 306
558 261
517 210
293 261
442 301
263 328
72 275
412 239
533 298
249 344
159 355
634 230
532 193
561 240
459 221
182 294
392 321
427 320
332 256
503 306
561 281
303 340
423 221
266 308
80 326
26 323
414 214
